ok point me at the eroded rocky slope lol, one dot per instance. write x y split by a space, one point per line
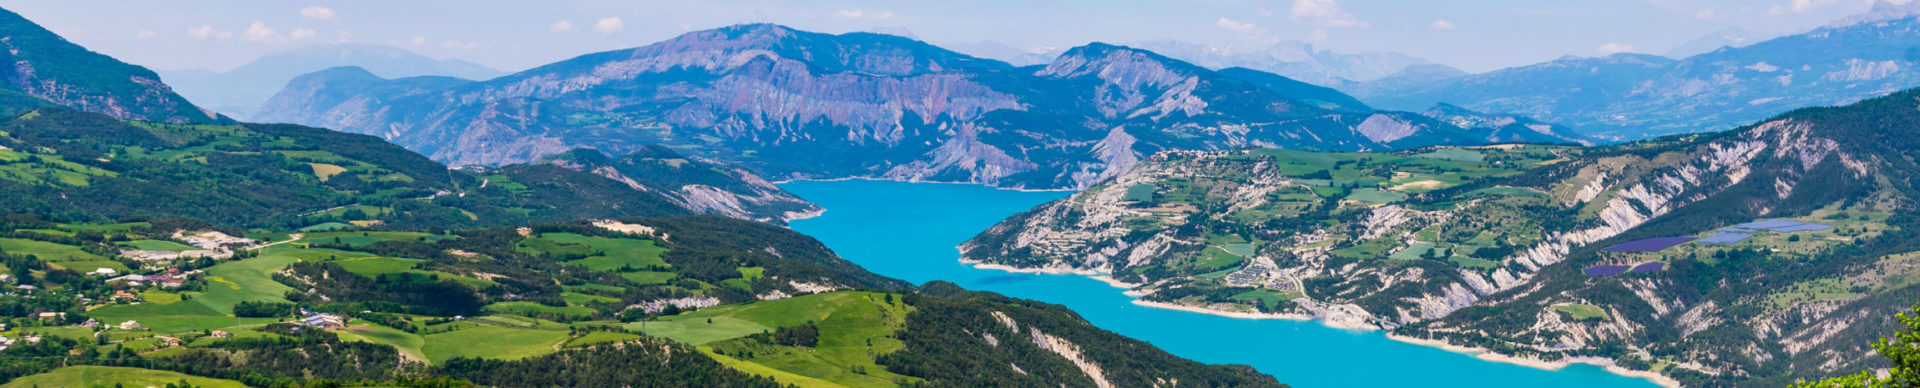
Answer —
1489 247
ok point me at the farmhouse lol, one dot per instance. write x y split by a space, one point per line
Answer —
220 334
129 325
324 321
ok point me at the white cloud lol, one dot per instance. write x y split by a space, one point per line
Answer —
1705 14
1235 25
1263 12
259 32
318 13
344 38
1615 48
858 14
1804 5
1317 36
418 40
1441 25
608 25
1324 12
454 44
299 34
201 32
145 34
561 26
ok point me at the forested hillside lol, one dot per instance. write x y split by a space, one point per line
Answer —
1749 257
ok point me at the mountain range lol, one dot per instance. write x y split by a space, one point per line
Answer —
1634 96
776 100
239 91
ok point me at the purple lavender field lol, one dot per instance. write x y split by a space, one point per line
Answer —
1605 270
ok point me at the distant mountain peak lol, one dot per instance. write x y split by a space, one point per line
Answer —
1881 11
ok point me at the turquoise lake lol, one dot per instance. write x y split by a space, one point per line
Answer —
910 230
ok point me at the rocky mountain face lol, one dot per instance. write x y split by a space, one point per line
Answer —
696 185
238 92
1497 247
1635 96
794 104
41 68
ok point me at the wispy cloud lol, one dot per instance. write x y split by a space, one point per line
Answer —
858 14
1615 48
1324 12
259 32
561 26
609 25
301 33
145 34
454 44
1441 25
318 13
1235 25
201 32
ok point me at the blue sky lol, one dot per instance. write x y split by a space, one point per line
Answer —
1475 35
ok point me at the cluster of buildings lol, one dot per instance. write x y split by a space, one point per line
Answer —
173 278
9 342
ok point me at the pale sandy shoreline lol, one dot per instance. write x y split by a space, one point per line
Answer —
1476 352
786 181
1228 314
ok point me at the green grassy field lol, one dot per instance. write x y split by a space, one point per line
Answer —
106 376
409 344
854 327
250 279
649 277
376 266
85 266
599 337
1819 290
613 253
1376 196
530 308
325 226
45 250
158 245
493 342
575 298
1581 312
70 332
1139 193
1454 154
357 239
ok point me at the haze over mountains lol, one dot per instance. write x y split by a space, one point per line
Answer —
239 91
1634 96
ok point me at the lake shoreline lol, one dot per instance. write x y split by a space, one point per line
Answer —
863 178
1477 352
